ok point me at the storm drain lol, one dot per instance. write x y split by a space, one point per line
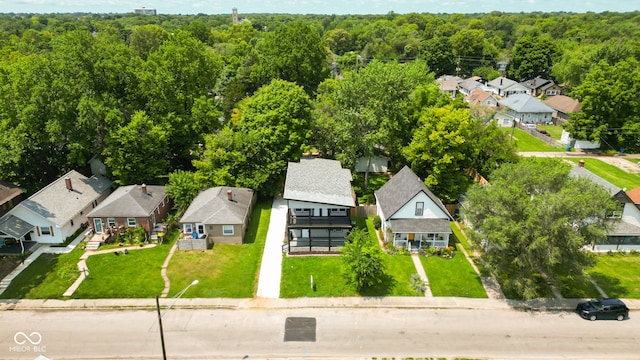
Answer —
300 329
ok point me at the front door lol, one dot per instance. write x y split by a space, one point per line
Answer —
97 225
200 229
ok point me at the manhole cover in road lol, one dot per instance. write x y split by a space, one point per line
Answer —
300 329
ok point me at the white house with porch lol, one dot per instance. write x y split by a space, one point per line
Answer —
412 216
56 211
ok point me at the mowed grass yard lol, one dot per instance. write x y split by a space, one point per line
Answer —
48 277
525 142
618 275
611 173
447 277
229 271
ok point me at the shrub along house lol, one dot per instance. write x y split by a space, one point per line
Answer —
131 206
319 199
57 211
411 215
220 215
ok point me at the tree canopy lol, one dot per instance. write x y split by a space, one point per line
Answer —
533 220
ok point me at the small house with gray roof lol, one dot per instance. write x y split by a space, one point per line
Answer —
220 215
56 211
525 109
131 206
625 235
319 198
412 216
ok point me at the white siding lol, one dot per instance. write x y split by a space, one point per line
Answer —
431 210
36 220
631 214
296 204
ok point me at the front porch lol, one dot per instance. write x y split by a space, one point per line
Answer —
419 234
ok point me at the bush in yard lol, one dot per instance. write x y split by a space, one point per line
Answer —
363 264
417 284
377 222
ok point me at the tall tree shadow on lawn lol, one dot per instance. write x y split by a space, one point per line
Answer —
385 288
610 285
31 277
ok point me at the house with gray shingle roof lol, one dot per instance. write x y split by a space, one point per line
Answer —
526 109
625 235
503 86
319 198
220 214
131 206
412 216
57 210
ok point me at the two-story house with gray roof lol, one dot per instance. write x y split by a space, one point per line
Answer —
219 214
57 210
131 206
412 216
319 198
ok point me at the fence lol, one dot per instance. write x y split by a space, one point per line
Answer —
363 211
537 135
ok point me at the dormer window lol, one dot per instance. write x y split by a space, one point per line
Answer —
419 208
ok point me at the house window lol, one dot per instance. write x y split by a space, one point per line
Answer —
45 230
71 222
111 222
615 214
419 208
187 228
131 222
227 229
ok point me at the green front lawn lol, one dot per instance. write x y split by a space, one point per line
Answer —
135 275
611 173
554 130
525 142
229 271
618 275
452 277
48 277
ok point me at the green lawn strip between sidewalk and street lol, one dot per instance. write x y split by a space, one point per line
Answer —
229 271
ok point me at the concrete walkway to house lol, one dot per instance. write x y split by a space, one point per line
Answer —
163 271
40 249
271 267
84 270
423 275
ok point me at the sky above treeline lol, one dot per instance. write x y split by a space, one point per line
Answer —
338 7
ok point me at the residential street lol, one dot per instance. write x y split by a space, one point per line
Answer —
340 333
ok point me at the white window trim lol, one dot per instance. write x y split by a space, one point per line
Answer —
225 228
135 222
110 221
45 230
189 226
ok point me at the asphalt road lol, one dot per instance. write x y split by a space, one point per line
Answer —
339 333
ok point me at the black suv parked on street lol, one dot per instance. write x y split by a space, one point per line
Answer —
603 309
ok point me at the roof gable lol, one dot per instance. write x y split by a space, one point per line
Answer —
501 82
212 206
563 103
320 181
403 187
130 201
58 204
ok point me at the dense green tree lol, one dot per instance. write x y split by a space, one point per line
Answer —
609 106
532 56
137 152
146 39
362 261
438 55
254 148
533 220
294 52
183 186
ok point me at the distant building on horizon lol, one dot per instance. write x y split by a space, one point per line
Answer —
145 11
234 15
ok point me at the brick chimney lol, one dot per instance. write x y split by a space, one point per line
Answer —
230 195
144 188
67 183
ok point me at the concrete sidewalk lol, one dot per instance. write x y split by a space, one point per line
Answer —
397 302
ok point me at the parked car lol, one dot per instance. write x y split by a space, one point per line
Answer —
603 309
543 132
531 127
